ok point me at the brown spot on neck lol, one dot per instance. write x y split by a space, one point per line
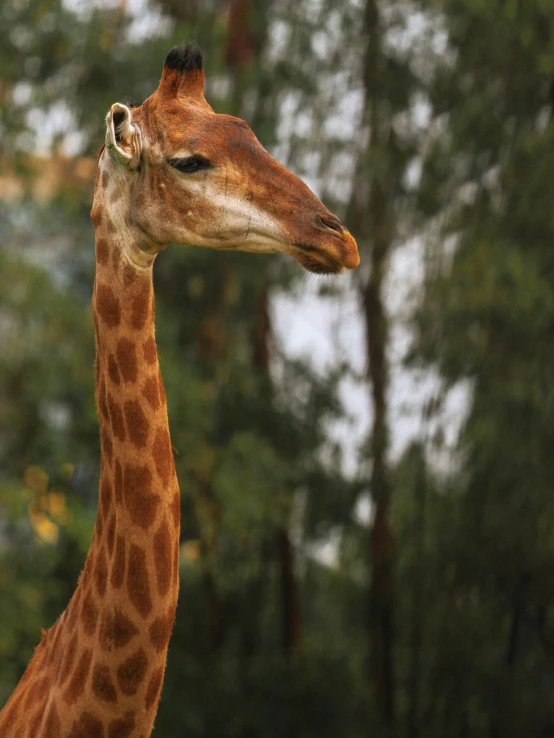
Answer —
132 672
116 630
154 687
96 215
78 680
163 456
102 684
138 586
141 503
88 726
160 630
107 306
163 557
89 614
122 727
102 251
149 349
136 422
127 360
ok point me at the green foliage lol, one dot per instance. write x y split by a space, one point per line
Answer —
45 393
48 426
487 318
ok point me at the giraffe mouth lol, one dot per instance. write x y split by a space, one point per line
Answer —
316 261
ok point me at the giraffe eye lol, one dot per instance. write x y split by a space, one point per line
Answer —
190 164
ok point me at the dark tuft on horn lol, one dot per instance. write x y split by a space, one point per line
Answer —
184 58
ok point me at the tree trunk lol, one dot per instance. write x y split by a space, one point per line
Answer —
292 623
381 536
418 606
290 611
369 214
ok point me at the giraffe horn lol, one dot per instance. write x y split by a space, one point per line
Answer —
182 73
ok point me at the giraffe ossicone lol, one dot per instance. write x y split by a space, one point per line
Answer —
171 171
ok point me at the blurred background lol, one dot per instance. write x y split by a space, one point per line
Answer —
366 462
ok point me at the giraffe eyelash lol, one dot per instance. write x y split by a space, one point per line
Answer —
190 164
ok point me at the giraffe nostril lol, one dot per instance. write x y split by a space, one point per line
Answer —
329 222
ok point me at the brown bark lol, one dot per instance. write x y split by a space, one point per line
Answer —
381 601
413 721
261 338
291 619
242 37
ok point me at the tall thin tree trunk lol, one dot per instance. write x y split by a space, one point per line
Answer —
369 217
381 601
381 595
291 618
498 721
416 635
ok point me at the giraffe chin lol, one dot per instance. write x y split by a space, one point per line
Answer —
319 264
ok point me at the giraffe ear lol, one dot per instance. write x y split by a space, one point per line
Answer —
123 136
182 74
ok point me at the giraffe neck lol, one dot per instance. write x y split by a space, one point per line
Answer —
99 670
136 539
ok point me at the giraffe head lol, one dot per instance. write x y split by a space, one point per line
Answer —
196 177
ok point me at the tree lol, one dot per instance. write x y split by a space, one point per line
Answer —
486 321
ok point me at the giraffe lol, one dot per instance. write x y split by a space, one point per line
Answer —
170 171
